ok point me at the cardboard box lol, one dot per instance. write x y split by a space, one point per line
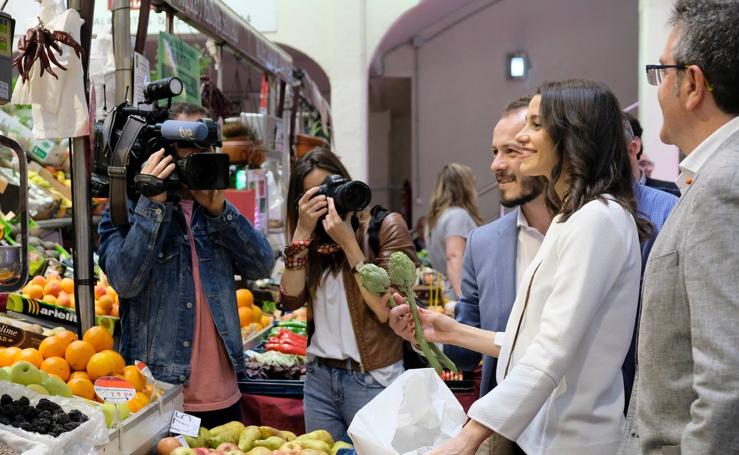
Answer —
56 314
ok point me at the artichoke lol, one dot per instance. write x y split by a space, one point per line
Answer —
402 270
374 279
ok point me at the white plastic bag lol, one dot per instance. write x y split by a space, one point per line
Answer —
418 412
80 441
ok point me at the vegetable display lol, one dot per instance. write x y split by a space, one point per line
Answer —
402 274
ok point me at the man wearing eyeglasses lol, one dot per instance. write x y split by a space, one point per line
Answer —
687 391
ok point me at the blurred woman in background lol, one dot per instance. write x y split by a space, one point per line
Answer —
453 215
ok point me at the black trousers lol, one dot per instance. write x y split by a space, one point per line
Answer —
210 419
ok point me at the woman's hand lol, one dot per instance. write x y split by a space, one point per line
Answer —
339 230
437 327
466 442
310 210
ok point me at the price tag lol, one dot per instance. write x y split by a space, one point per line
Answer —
184 424
141 366
114 390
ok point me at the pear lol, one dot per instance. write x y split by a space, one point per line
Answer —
56 386
109 410
25 373
4 374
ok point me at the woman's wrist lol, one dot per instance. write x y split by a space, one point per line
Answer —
301 234
353 254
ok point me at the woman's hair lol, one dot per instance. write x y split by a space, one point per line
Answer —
318 158
455 187
585 122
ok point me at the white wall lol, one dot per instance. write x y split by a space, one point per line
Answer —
341 36
462 84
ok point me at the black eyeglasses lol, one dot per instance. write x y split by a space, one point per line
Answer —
656 73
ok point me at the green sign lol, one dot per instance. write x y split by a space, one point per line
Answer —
177 58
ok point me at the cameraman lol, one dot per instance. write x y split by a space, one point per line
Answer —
352 352
180 319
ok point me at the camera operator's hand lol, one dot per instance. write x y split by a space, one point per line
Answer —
339 230
159 166
214 201
310 209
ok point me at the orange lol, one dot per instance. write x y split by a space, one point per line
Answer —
57 366
33 291
134 376
48 298
53 287
246 316
265 321
111 293
8 355
53 275
99 311
38 279
67 285
257 313
105 302
30 355
101 364
71 301
78 354
138 401
99 290
79 374
114 311
99 337
120 364
82 387
63 299
67 335
148 390
53 346
244 297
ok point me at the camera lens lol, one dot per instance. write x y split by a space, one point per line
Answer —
353 196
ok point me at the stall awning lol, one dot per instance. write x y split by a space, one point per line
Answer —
216 19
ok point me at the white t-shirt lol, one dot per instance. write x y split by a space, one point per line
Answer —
334 332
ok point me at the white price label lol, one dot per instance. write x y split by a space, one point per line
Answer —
184 424
114 390
182 441
141 366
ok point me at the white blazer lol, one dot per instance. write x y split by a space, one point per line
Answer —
564 392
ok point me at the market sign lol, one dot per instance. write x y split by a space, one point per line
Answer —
177 58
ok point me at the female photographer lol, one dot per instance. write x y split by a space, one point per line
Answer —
353 354
560 389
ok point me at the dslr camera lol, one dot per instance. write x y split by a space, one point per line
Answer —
348 195
128 136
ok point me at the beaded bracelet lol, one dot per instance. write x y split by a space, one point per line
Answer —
295 263
296 248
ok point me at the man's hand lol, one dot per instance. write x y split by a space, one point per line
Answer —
466 442
159 166
437 328
214 201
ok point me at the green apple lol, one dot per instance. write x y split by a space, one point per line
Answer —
25 373
44 376
109 410
4 375
56 386
38 389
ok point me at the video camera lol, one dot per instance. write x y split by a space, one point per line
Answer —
128 136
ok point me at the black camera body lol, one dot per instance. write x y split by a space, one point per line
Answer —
128 136
348 195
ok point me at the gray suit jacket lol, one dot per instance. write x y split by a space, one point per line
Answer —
488 289
687 392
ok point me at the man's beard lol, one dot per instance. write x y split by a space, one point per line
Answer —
531 188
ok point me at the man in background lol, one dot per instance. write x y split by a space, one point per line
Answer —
636 152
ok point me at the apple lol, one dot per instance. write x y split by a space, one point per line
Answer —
4 374
25 373
202 451
182 451
44 376
165 446
109 409
56 386
38 389
226 446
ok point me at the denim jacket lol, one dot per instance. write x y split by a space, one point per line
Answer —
149 265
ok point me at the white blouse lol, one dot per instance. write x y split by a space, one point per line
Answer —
563 393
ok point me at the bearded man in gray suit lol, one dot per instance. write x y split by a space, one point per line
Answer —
687 392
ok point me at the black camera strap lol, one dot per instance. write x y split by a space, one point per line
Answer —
117 169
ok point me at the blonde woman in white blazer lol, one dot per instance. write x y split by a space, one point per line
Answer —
560 389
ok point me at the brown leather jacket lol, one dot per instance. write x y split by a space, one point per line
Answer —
378 345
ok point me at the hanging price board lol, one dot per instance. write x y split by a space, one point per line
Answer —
114 390
184 424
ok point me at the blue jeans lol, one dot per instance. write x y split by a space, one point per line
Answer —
332 396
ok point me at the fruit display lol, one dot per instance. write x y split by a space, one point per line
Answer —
234 438
251 317
58 291
274 365
46 417
65 366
